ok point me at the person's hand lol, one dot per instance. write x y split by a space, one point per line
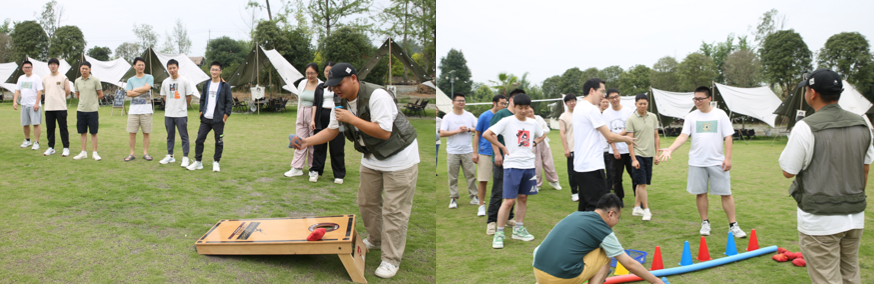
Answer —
656 162
313 125
567 153
726 165
666 154
225 119
296 142
475 158
635 163
617 155
36 107
629 140
462 129
499 160
343 115
15 105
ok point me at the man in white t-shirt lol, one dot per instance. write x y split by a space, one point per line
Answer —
616 118
458 126
389 166
521 135
29 88
608 158
589 130
177 93
710 128
139 88
57 87
829 154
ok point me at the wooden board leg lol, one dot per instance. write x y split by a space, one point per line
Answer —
353 267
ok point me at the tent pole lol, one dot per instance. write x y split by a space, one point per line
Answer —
389 61
153 75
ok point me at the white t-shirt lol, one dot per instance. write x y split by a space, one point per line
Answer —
29 88
175 92
607 148
210 100
795 158
383 111
460 143
616 120
708 131
519 139
544 127
588 141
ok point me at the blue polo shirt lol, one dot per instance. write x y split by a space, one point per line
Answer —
482 124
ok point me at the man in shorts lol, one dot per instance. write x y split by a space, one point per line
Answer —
139 88
642 125
707 163
29 88
89 92
482 151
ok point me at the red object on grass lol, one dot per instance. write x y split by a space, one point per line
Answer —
316 235
789 255
703 253
754 242
799 255
781 250
799 262
657 260
779 257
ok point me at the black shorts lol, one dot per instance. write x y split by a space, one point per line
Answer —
86 121
644 174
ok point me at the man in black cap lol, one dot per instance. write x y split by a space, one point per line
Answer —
369 117
829 153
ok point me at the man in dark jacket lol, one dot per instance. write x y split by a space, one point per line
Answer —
215 108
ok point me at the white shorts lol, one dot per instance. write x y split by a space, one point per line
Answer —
700 177
29 116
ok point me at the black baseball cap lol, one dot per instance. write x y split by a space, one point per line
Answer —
338 72
823 81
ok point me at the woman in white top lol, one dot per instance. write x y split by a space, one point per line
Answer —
323 106
304 126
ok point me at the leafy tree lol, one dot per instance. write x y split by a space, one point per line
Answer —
295 10
399 17
5 48
128 51
635 81
327 13
696 70
570 82
228 51
299 51
454 61
167 47
785 58
146 37
353 47
68 43
718 52
6 28
100 53
29 39
586 75
550 87
769 23
849 54
50 18
506 82
610 74
481 94
743 69
180 38
664 74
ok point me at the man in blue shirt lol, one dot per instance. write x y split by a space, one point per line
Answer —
484 148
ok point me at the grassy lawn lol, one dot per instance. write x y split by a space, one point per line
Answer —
114 221
760 191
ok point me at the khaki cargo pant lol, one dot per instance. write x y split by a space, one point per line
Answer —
832 258
385 200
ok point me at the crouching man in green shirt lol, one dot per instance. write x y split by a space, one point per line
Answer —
580 246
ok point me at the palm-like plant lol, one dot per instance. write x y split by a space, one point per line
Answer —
505 82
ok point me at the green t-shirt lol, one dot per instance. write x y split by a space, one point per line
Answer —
501 114
644 128
562 251
87 89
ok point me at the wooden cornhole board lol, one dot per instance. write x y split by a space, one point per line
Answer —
288 236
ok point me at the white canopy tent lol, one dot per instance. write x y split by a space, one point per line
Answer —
286 71
673 104
40 68
187 68
109 71
853 101
443 101
758 103
6 70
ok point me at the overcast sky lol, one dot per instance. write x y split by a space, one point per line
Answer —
547 37
110 23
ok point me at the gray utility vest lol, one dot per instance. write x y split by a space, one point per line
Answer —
402 132
834 182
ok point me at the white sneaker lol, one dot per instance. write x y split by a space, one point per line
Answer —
555 185
215 167
474 201
184 162
49 151
95 156
168 159
736 231
705 228
66 152
481 211
453 204
35 146
338 181
369 245
294 172
386 270
195 166
647 215
637 211
82 155
314 176
26 143
575 197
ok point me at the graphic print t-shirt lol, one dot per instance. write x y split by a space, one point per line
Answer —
141 104
708 131
176 92
616 121
519 140
29 88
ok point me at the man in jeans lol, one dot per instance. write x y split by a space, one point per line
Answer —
176 91
57 87
139 88
216 103
29 88
457 126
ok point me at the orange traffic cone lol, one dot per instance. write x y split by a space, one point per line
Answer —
754 243
657 260
703 253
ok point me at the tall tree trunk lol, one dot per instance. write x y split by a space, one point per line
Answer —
269 15
327 19
406 45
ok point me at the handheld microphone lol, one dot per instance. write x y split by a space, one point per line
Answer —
338 104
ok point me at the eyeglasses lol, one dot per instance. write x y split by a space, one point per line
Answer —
613 97
503 104
699 99
458 101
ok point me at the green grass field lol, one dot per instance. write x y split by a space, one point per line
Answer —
114 221
465 255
